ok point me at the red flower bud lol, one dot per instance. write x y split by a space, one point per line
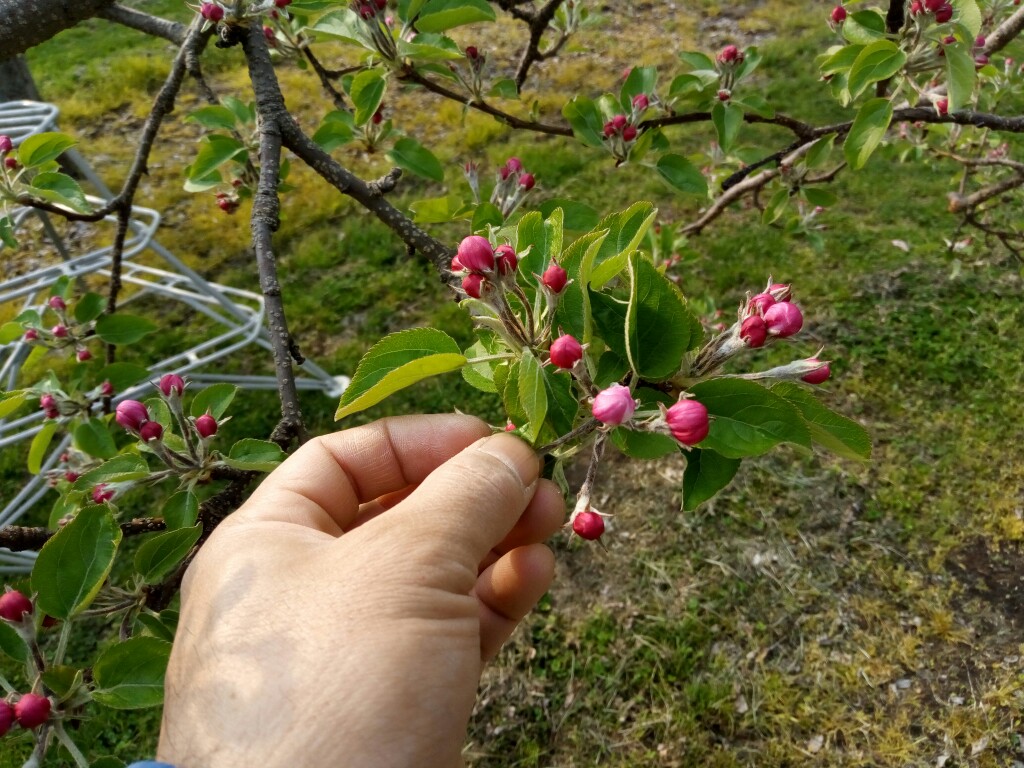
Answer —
101 494
554 278
819 376
83 355
366 11
6 145
933 5
151 430
588 525
14 606
916 8
71 476
688 422
131 414
171 383
57 303
780 291
614 406
106 389
507 259
32 710
753 331
619 122
783 319
47 401
629 133
473 284
378 116
641 102
472 52
282 3
51 413
206 425
944 13
270 35
31 334
226 205
566 352
457 265
10 163
60 331
724 95
6 710
514 164
609 129
980 60
942 106
526 181
760 303
476 254
211 12
838 15
730 54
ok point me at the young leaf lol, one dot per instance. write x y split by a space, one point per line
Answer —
123 375
215 400
562 403
12 401
130 675
415 158
89 307
181 510
878 61
625 231
254 455
643 445
868 129
120 469
682 174
576 216
960 74
728 120
586 121
11 643
123 329
367 92
706 474
94 438
75 562
398 361
159 554
439 15
573 311
60 189
864 27
827 428
214 117
41 148
40 443
345 25
214 150
532 395
747 419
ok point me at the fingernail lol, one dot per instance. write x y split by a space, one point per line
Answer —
515 454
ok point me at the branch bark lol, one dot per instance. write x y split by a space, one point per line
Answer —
30 22
144 22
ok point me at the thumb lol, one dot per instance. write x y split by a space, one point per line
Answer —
468 504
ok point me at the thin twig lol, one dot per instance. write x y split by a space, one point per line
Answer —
144 22
538 26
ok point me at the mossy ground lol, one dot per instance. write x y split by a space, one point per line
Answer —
818 612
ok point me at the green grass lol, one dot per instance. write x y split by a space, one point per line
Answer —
818 611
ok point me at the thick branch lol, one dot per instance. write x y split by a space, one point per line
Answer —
958 202
1004 33
18 538
144 22
30 22
538 26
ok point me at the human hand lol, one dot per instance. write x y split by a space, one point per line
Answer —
341 616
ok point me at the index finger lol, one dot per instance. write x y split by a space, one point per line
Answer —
323 483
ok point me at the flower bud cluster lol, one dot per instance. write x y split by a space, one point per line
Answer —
924 11
727 62
374 16
64 333
621 132
27 710
513 184
473 79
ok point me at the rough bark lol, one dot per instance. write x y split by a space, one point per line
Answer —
30 22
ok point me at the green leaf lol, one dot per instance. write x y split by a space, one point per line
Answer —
439 210
878 61
747 419
969 14
532 395
510 396
75 562
255 455
367 92
181 510
776 206
576 216
396 362
841 60
415 158
94 438
130 675
486 215
155 627
960 75
123 329
13 400
7 233
682 174
727 119
563 404
89 307
214 400
214 117
60 189
827 428
480 375
123 375
820 151
611 366
696 60
40 444
160 554
819 196
572 314
335 131
659 326
120 469
543 238
706 474
505 88
609 316
63 680
439 15
625 231
639 80
107 761
11 643
867 132
41 148
864 27
643 445
214 150
345 25
586 121
428 47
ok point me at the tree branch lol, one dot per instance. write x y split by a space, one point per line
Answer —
29 22
958 202
1004 33
538 26
144 22
19 538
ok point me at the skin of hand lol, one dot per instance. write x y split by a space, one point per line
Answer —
342 616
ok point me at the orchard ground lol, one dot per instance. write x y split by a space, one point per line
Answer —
817 612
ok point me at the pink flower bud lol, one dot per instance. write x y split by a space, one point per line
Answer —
979 41
472 52
753 331
6 145
106 389
57 303
60 331
566 352
101 494
171 384
916 8
270 35
933 5
10 163
131 414
378 117
206 426
609 129
514 165
614 406
6 710
14 605
838 15
47 401
476 254
282 3
942 106
71 476
688 422
32 710
819 376
780 291
51 413
730 54
151 430
724 95
509 426
227 205
554 278
758 304
640 102
619 122
457 265
507 259
980 60
211 12
31 334
83 355
366 11
944 13
473 285
629 133
783 319
526 181
588 525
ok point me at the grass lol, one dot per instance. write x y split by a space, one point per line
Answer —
818 611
